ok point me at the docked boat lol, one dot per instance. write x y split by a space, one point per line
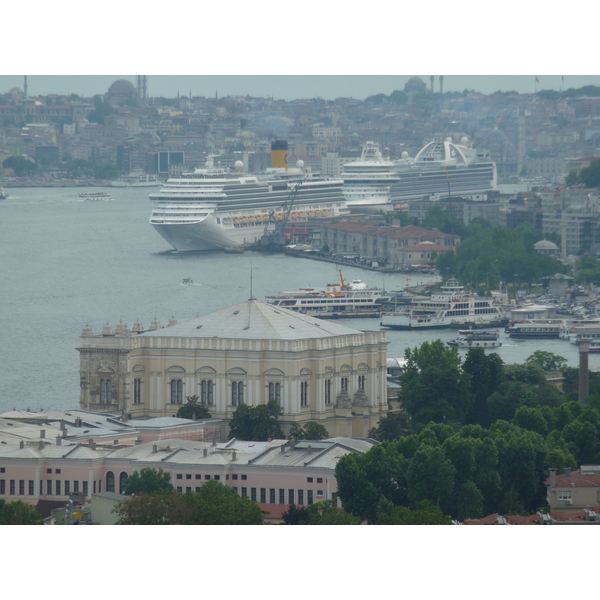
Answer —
336 300
536 328
95 196
442 165
3 194
368 181
215 208
137 179
449 307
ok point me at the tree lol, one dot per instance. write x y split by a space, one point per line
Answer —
193 408
590 175
296 515
547 360
214 504
311 431
391 427
486 373
106 171
424 513
19 513
148 481
325 513
434 387
21 165
258 423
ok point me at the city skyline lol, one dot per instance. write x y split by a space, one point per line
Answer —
290 87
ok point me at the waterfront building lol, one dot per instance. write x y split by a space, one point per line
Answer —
248 353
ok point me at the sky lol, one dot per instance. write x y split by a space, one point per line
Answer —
286 87
293 50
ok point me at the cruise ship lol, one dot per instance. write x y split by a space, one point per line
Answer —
443 168
214 208
368 181
450 307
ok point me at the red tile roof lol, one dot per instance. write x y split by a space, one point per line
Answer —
410 231
575 479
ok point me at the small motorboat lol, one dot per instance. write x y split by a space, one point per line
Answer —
188 281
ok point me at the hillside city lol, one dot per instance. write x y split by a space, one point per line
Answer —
272 435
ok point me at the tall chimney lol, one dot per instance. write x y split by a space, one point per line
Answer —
441 84
432 78
553 477
584 372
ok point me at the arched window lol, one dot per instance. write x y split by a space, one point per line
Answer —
122 479
237 393
108 391
304 393
137 391
110 481
102 391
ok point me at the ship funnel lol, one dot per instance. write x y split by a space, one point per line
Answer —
279 154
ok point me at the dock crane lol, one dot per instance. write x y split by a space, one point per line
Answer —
274 235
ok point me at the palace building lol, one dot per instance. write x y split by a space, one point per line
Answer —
248 353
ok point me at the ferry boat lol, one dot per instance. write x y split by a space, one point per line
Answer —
449 307
95 196
353 299
476 338
536 328
441 165
367 182
215 208
137 179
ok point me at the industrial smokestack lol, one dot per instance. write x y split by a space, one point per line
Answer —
441 84
279 154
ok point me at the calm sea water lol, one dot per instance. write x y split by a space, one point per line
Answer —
65 262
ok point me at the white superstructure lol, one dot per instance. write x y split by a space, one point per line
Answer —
213 208
368 181
137 179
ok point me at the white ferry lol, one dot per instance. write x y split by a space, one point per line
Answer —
353 299
476 338
137 179
95 196
536 328
450 307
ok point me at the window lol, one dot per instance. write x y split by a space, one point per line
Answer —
48 470
361 382
319 480
100 486
110 482
271 495
31 487
234 476
57 486
207 477
244 492
137 391
310 496
198 476
244 477
176 391
291 497
58 471
2 470
304 393
85 488
188 489
344 384
319 492
275 392
12 487
21 487
206 391
94 488
2 486
105 391
188 476
309 479
300 497
565 495
263 495
253 494
123 477
67 488
237 393
217 478
197 489
49 487
328 391
281 496
179 476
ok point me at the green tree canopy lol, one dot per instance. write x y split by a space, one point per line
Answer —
391 427
547 360
19 513
148 481
193 408
22 166
311 431
258 423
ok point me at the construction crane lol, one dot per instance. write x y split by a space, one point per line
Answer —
274 235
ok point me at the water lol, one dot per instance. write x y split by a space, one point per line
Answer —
65 262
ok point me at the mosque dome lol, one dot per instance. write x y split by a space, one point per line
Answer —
121 86
415 84
545 245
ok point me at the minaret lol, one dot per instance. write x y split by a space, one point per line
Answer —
521 141
25 87
432 79
441 84
584 372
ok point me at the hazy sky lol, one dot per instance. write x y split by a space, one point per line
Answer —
293 50
286 87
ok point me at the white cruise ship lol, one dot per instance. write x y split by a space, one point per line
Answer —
449 307
213 208
442 167
368 181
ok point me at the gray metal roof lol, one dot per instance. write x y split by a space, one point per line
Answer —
254 320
